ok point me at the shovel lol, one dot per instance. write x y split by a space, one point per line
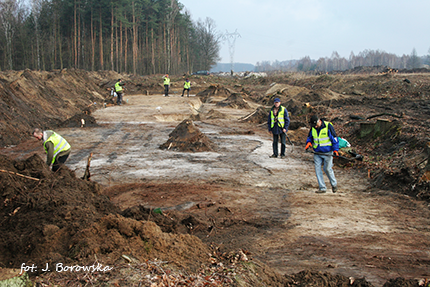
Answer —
291 143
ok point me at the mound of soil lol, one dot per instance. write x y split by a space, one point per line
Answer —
235 101
186 137
43 211
79 120
213 91
259 116
57 218
213 114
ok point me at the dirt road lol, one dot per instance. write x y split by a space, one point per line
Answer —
238 197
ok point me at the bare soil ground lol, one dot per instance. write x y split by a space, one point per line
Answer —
183 191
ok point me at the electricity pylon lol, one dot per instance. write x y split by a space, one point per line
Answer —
231 38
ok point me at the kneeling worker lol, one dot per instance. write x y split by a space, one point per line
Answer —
56 147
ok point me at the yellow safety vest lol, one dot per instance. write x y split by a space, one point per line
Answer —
322 139
118 87
166 81
187 85
60 144
281 121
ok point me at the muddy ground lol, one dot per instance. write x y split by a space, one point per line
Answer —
182 189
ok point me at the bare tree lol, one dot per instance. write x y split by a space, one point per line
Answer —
208 43
173 11
414 60
8 17
35 11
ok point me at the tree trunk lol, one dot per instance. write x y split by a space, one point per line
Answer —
93 42
125 50
79 51
152 51
121 48
101 40
111 39
75 48
116 49
134 45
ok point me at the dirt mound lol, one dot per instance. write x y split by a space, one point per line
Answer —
186 137
235 101
213 114
213 91
309 278
285 90
41 213
79 120
365 70
259 116
58 218
44 99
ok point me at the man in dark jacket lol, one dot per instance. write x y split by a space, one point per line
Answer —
322 138
278 123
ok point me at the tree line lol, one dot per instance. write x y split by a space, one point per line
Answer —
126 36
337 63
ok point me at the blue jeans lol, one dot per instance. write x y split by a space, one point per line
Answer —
325 161
283 143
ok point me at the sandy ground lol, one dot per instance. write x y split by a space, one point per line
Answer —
357 232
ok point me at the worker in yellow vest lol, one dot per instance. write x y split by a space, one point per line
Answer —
278 123
187 87
56 147
119 91
166 85
322 138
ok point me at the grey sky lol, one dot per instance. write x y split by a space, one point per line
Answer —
292 29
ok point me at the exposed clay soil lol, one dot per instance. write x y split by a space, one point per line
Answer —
182 190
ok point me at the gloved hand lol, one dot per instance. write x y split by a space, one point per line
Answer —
336 153
309 144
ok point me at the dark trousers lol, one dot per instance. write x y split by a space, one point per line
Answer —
59 161
283 143
188 92
166 90
119 98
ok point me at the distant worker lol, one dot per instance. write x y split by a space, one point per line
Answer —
119 90
56 147
166 85
278 123
187 87
322 138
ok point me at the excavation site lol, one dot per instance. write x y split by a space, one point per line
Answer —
181 190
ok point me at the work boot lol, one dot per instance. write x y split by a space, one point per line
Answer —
273 156
282 156
334 189
321 191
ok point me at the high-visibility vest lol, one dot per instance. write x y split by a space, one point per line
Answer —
166 81
60 144
118 87
187 85
281 121
322 139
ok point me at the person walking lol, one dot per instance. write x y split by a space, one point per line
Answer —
322 138
166 85
56 147
278 123
119 90
187 87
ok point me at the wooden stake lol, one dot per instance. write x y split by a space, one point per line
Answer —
18 174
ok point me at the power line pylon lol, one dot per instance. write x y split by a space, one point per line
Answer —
231 38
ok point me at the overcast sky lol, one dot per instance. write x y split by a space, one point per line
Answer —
292 29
